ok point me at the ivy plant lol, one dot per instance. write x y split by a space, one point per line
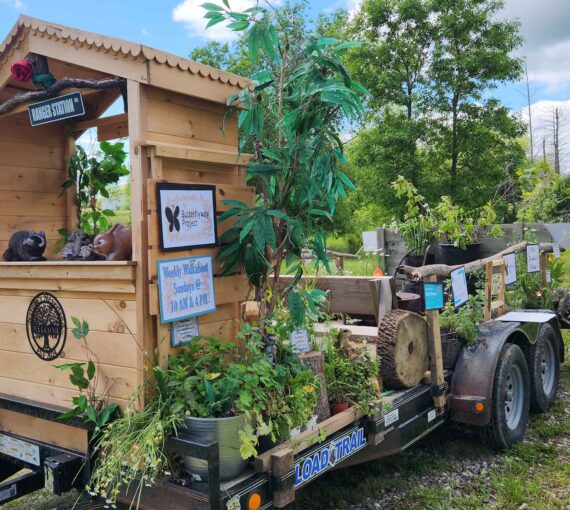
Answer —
303 93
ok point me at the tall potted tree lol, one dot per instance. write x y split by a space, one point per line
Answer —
289 119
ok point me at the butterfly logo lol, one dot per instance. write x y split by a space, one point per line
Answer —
172 218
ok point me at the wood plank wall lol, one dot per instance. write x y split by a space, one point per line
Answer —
32 170
186 145
112 320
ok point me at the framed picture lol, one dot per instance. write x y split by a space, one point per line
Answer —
187 216
185 288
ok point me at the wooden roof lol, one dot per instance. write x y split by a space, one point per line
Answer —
117 57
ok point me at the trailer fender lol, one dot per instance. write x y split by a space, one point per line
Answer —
472 381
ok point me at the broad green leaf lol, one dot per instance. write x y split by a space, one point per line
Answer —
296 308
238 26
90 370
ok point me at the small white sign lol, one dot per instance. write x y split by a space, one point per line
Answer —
300 341
431 415
548 276
556 250
533 258
510 268
186 288
19 449
537 317
459 286
370 241
391 417
183 332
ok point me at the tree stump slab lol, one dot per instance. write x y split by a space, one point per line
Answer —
403 349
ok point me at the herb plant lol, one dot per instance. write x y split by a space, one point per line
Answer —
464 320
302 93
351 376
91 405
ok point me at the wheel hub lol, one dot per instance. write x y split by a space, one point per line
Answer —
548 370
514 397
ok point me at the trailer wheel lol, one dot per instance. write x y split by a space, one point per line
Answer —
511 399
544 366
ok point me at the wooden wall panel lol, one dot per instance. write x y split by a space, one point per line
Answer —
32 171
46 431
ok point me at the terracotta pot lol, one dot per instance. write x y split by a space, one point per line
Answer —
339 407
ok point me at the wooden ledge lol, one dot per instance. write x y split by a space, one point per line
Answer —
187 152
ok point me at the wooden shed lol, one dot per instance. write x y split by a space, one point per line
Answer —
173 115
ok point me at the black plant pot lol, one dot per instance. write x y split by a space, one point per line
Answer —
418 260
452 255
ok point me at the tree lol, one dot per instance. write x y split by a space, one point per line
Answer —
302 87
471 54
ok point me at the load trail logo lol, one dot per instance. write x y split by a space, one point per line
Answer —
46 326
327 457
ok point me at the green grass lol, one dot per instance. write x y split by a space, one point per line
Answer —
535 472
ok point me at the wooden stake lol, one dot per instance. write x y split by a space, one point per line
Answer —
434 345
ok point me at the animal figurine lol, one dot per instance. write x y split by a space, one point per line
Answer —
117 244
26 246
79 247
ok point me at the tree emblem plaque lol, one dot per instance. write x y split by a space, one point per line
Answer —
46 326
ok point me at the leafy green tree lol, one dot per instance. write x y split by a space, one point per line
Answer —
302 88
471 55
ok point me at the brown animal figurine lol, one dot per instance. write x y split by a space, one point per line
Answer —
117 244
25 246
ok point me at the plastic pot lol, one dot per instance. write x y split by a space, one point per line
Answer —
452 255
225 431
339 407
418 260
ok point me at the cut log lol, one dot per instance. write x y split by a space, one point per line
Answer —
314 361
403 349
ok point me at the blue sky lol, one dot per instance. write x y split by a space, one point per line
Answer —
177 26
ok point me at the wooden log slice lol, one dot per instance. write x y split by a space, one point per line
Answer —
314 361
403 349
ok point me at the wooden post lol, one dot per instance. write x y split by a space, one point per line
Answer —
434 345
488 290
502 288
543 268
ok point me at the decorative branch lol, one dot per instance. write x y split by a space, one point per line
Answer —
419 273
58 86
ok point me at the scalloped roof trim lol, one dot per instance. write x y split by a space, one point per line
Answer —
101 42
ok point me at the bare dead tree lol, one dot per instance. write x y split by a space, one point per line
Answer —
530 132
556 138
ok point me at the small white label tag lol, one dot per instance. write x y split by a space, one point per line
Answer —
391 417
21 450
8 492
556 250
548 276
233 504
432 415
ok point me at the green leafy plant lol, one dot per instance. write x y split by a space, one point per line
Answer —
90 404
303 91
89 178
351 376
464 320
211 378
459 227
418 226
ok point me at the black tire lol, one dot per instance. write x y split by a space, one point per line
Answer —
544 368
509 409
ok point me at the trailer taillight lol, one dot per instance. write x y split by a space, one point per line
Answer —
254 501
479 407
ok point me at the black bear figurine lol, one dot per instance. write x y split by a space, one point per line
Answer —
25 246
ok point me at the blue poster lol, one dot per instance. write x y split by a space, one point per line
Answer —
433 295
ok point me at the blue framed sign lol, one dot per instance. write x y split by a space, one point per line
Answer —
433 296
185 288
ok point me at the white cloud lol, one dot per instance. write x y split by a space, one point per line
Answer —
544 26
16 4
191 14
145 32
